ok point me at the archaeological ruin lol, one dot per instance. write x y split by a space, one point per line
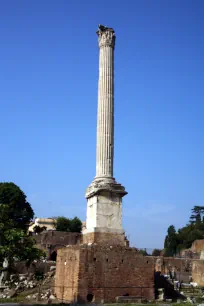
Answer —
92 261
103 268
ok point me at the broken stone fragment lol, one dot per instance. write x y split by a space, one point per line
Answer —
11 293
22 277
52 297
52 268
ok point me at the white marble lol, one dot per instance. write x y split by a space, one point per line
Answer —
105 121
104 213
104 195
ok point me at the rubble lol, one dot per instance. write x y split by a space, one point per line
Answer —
52 268
191 300
22 283
22 277
44 295
52 297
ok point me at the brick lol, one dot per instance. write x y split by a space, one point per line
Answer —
103 271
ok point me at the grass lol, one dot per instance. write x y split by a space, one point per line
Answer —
16 299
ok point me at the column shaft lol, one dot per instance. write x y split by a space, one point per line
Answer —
105 121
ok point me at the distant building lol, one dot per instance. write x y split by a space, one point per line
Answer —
49 223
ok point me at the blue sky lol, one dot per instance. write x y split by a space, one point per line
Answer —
48 104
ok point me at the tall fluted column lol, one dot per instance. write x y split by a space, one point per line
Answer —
104 195
105 121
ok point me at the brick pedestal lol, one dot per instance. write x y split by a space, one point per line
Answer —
99 274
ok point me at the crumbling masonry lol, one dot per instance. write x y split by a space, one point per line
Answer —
103 267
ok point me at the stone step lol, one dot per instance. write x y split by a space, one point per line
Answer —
128 299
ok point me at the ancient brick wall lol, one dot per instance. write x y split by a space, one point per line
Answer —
21 267
67 274
51 241
188 253
104 272
198 246
56 237
182 267
166 264
198 272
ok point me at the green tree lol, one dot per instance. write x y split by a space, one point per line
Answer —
75 225
156 252
183 239
20 211
15 214
64 224
197 214
143 252
171 242
15 242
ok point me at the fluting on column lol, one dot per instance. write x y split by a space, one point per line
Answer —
104 195
105 122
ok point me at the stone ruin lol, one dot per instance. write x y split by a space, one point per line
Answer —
98 265
102 273
30 285
103 268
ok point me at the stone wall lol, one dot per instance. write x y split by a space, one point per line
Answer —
20 267
198 272
196 251
51 241
104 273
67 274
166 264
56 237
188 253
182 267
198 246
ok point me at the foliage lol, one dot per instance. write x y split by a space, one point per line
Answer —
143 252
156 252
15 242
19 211
175 242
15 214
170 242
64 224
197 214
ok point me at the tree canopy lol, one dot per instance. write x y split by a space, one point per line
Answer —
64 224
176 241
143 252
15 214
170 243
156 252
19 210
197 215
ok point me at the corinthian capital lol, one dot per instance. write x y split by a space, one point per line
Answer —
106 36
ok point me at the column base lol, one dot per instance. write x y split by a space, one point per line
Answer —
104 213
105 184
102 238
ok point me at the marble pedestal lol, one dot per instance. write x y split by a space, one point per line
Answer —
104 212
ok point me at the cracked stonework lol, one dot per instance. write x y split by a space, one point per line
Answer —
105 185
